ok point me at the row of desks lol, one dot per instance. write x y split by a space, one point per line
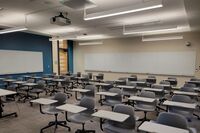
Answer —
144 99
114 116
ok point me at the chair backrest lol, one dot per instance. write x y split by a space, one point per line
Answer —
100 76
159 94
194 79
9 77
189 85
132 75
54 74
132 84
151 79
181 98
90 75
66 81
165 82
118 97
130 91
172 119
61 99
33 75
41 84
108 87
157 86
122 81
147 94
187 89
30 81
132 78
78 74
124 109
88 103
90 93
20 78
182 111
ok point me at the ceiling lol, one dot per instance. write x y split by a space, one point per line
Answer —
181 13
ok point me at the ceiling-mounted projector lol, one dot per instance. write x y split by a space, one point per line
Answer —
60 20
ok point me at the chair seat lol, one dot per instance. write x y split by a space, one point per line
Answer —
111 102
79 118
187 114
113 129
128 93
24 88
51 84
36 91
143 107
51 110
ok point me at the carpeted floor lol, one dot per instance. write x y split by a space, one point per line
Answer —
30 120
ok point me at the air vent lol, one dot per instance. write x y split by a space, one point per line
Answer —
78 4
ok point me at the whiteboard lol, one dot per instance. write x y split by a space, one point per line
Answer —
14 61
169 63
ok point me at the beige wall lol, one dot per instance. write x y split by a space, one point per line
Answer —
134 44
55 56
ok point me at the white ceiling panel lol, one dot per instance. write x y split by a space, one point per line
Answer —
39 12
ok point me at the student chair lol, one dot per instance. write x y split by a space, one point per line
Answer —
128 126
85 116
145 106
51 110
113 100
174 120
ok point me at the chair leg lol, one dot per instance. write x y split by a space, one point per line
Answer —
83 130
143 119
50 125
56 123
198 117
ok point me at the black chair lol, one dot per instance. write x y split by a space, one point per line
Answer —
51 110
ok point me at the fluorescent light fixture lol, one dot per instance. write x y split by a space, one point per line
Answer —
81 38
150 30
15 29
120 11
90 43
145 39
91 37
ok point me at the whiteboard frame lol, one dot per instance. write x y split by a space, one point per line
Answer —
27 59
190 72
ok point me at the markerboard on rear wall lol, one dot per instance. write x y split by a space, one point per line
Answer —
14 62
169 63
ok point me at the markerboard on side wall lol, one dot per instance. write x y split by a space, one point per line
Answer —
14 62
169 63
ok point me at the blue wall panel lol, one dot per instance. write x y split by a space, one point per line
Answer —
29 42
70 52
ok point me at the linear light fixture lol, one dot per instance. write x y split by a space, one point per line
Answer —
120 11
14 29
92 37
150 30
145 39
91 43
